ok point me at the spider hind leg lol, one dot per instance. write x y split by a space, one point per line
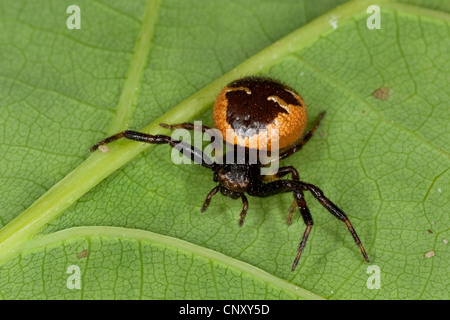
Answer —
297 188
283 186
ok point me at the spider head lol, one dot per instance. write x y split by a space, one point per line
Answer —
233 179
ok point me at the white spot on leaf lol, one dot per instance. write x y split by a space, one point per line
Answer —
333 21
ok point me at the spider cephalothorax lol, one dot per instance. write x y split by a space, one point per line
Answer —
247 113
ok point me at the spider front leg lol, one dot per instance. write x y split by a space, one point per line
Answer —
244 210
187 150
283 171
213 192
185 125
297 187
307 218
194 127
294 186
338 213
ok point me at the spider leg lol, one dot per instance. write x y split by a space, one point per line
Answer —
338 213
291 212
185 125
191 152
244 203
307 218
244 210
195 127
299 144
294 186
208 199
295 176
281 173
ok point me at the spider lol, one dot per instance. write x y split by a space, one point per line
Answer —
244 110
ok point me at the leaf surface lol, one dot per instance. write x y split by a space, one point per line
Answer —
135 230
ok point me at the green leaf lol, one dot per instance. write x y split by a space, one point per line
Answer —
130 220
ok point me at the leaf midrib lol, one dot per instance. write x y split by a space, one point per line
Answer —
87 232
138 62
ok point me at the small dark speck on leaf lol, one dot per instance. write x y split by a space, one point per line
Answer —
381 93
83 254
429 231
